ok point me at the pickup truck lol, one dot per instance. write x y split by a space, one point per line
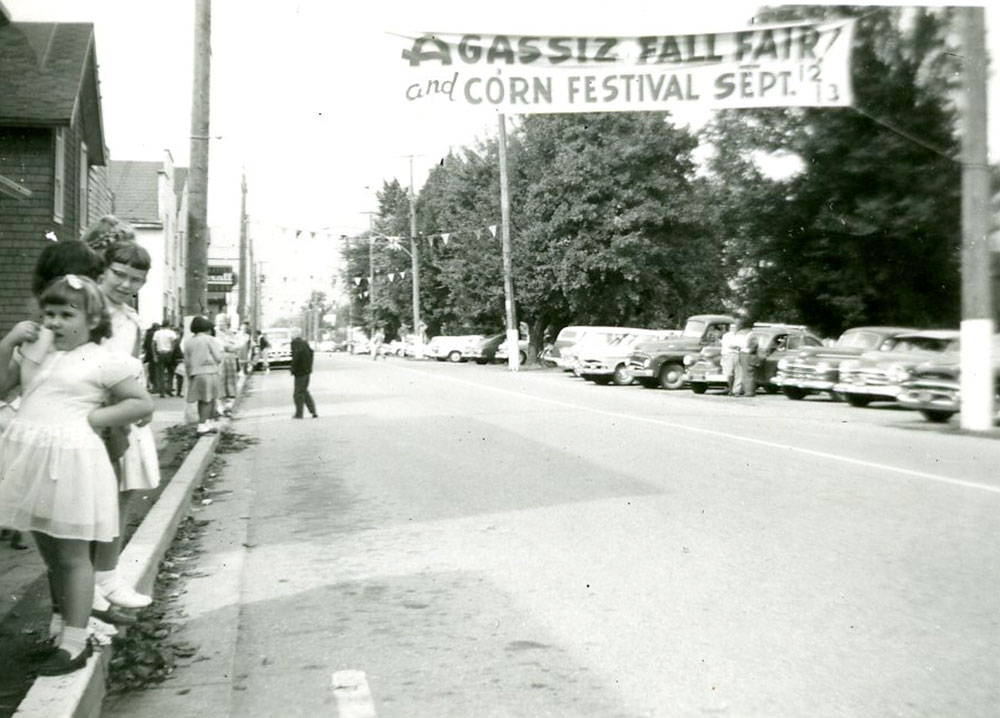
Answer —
660 364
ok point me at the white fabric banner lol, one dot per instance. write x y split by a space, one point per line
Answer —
800 64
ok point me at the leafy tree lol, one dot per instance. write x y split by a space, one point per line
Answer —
612 224
869 231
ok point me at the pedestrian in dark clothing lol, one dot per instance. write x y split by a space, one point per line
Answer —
302 366
149 356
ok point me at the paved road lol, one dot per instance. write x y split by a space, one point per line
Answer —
488 544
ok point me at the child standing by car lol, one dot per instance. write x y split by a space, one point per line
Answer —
56 479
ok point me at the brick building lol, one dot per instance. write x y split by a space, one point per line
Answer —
53 175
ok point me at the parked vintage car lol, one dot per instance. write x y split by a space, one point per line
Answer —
774 343
279 353
934 388
501 355
816 369
661 363
878 375
608 363
485 350
448 348
591 338
563 352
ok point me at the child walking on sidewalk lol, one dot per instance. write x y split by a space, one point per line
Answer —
56 479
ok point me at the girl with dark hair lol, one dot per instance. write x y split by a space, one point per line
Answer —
56 478
126 265
202 359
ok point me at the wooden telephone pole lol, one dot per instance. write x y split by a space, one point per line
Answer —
196 272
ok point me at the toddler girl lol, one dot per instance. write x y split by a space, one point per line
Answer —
56 479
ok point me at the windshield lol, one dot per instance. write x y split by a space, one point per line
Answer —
694 328
279 336
566 335
924 344
858 340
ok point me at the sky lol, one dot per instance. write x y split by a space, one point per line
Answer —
301 90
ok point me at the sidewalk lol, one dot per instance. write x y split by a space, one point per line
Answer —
24 608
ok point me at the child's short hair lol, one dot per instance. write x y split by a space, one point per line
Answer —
69 256
131 254
201 324
83 294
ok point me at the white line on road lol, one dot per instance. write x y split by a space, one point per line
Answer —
725 435
354 699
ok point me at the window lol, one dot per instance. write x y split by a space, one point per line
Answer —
84 188
59 176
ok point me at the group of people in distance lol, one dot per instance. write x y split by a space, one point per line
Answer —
77 446
740 358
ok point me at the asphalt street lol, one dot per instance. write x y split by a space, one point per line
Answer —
482 543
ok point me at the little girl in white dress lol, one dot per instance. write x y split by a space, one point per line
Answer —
56 479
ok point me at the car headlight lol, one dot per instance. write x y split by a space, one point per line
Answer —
783 364
689 359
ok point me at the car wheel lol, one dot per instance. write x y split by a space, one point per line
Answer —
793 393
699 387
522 358
671 376
622 376
454 356
858 401
936 415
482 361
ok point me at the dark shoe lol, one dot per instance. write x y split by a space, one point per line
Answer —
114 615
315 416
296 416
19 544
60 663
42 650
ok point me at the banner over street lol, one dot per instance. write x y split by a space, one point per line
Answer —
799 64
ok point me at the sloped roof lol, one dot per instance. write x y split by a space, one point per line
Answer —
42 68
135 190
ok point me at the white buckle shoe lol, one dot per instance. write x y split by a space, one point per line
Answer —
124 596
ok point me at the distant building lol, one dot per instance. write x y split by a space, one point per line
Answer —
52 165
149 196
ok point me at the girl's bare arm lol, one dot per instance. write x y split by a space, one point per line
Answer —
128 403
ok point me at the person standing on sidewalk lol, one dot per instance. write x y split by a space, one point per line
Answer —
56 477
132 448
163 344
202 360
302 366
263 345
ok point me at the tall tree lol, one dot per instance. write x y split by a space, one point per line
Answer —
869 230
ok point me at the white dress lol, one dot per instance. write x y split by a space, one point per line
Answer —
140 464
55 475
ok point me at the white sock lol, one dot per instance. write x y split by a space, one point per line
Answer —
55 625
106 580
73 640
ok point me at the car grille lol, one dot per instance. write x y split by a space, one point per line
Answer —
866 376
805 372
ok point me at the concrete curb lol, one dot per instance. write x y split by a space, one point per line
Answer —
81 693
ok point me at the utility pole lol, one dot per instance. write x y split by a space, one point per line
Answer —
513 352
371 276
243 296
977 311
414 262
347 283
196 272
